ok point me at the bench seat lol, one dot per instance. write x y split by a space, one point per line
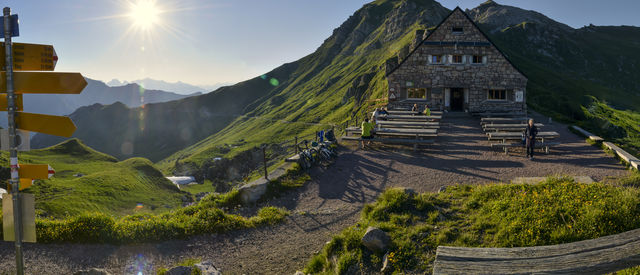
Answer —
596 256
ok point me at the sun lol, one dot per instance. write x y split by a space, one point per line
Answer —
145 13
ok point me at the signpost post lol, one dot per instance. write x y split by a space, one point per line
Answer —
13 151
29 58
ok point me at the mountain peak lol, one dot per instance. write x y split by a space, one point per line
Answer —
499 17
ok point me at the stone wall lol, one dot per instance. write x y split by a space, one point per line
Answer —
475 79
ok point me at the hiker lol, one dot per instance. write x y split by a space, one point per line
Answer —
384 113
427 111
367 131
415 109
530 134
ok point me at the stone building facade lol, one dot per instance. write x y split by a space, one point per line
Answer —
455 67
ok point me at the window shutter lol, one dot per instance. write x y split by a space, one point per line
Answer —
510 95
429 58
450 59
464 59
428 94
484 59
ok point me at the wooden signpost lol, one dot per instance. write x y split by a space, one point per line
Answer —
28 60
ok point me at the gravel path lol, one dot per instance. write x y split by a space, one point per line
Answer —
331 202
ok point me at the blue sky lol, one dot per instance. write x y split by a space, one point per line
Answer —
225 41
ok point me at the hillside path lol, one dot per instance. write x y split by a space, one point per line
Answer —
330 202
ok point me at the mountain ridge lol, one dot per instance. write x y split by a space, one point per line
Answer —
341 79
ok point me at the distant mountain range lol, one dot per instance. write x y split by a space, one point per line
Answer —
343 77
175 87
96 92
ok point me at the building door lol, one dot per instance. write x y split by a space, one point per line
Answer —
457 99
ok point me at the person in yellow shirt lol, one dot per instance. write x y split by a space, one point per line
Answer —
427 111
367 131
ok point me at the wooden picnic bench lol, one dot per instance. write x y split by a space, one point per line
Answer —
504 136
505 146
397 132
409 124
413 117
508 127
597 256
493 114
503 120
415 141
409 112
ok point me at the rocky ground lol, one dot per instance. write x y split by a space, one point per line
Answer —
331 202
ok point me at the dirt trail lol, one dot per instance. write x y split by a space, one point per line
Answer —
331 202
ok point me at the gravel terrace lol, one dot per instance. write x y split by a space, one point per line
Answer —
331 202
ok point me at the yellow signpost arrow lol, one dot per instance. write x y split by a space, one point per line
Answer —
44 83
46 124
24 184
35 171
31 57
4 105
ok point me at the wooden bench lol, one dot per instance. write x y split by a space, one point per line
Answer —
629 158
491 114
503 120
508 127
504 136
397 131
587 134
415 142
409 112
505 146
596 256
409 124
413 117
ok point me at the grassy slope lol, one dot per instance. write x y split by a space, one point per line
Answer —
552 212
108 186
315 96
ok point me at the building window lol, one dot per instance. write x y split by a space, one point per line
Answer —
457 30
436 59
477 59
417 93
497 95
456 59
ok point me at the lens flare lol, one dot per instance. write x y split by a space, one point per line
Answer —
274 82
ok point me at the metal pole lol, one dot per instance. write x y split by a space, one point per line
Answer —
13 152
296 145
264 158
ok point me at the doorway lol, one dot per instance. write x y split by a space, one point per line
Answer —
457 99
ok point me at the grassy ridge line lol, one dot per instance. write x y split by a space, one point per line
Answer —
555 211
90 181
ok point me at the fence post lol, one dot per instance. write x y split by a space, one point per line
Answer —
316 136
296 145
264 158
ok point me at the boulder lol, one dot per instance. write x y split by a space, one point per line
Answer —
375 239
180 270
252 192
207 268
92 271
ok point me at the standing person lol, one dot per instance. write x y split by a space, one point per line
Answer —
530 134
367 131
415 109
375 116
427 111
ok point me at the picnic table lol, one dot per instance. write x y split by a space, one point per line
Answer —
508 127
409 112
413 117
398 132
504 136
503 120
408 124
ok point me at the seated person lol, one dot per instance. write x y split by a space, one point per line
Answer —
367 131
383 113
427 111
415 109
